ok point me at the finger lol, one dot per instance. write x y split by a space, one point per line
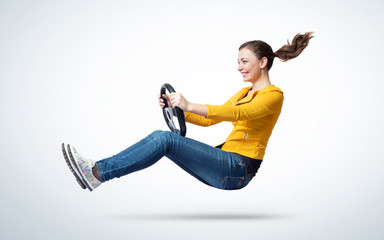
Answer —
168 101
175 103
174 95
165 96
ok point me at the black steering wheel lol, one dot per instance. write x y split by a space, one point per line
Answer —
170 113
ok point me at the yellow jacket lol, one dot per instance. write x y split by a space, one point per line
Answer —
252 116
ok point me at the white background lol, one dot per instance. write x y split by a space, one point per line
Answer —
88 73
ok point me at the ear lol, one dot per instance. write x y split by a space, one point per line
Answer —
263 62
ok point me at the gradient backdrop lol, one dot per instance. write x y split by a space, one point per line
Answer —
88 73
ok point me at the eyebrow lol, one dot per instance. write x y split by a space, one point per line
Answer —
243 58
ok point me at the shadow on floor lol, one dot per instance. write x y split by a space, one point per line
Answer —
201 216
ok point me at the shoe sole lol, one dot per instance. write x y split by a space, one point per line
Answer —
90 188
72 168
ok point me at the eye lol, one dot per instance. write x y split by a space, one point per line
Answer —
245 61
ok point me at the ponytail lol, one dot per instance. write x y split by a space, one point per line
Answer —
288 51
292 50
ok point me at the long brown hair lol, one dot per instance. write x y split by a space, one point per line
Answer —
285 53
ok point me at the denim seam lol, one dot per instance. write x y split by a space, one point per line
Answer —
243 165
227 178
117 169
145 141
221 184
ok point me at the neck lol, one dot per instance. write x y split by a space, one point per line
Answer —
261 82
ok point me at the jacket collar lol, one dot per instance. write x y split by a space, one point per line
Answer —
248 98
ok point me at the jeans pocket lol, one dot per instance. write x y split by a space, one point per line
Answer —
232 183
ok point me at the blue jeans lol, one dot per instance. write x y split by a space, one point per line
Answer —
212 166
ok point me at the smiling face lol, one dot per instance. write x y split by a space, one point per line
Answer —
249 65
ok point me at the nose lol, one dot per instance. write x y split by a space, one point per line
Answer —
239 67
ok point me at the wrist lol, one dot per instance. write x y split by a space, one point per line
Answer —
189 107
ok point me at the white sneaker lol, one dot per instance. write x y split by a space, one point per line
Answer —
85 168
73 168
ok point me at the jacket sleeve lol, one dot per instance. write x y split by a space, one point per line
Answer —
200 120
259 107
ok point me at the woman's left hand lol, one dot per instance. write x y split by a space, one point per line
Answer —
178 100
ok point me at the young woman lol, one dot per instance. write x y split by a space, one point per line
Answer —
253 112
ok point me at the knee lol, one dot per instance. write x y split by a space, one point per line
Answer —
152 136
167 138
165 135
157 132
